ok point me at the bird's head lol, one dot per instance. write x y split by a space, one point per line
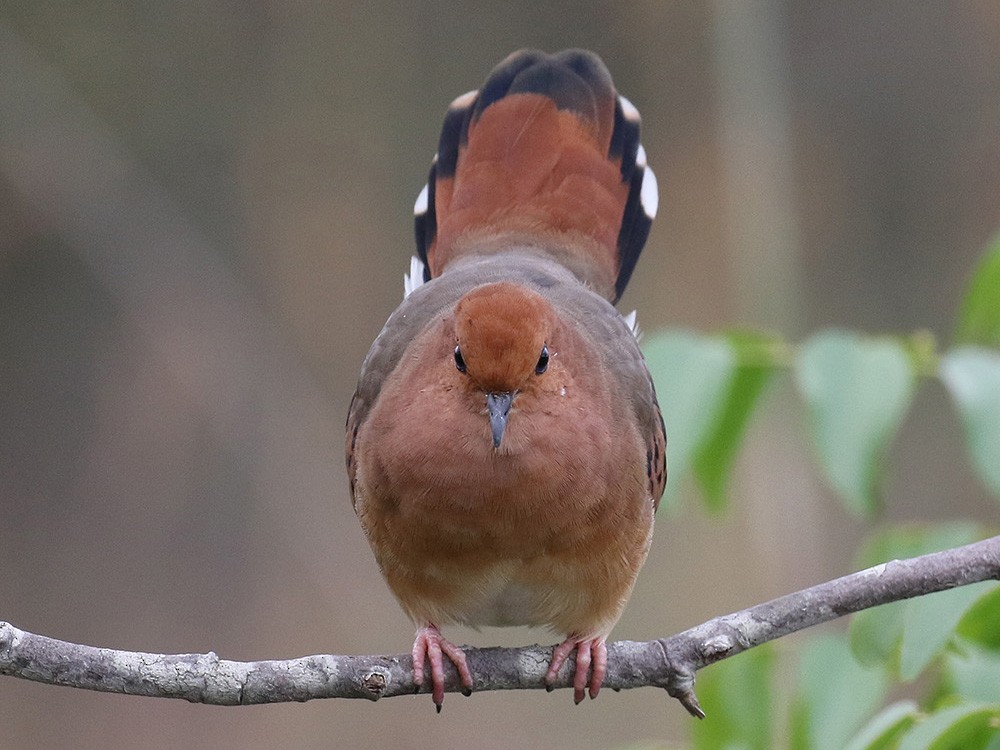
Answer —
502 335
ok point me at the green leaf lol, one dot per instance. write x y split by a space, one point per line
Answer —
884 730
837 694
883 635
981 622
972 376
973 674
963 727
736 695
929 623
692 375
857 392
755 365
979 317
913 540
875 635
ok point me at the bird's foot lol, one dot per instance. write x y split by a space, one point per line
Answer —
591 657
431 644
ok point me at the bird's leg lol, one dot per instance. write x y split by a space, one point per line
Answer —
591 656
430 643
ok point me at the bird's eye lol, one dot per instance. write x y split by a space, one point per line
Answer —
459 361
543 361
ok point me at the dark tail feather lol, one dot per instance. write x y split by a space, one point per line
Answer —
548 154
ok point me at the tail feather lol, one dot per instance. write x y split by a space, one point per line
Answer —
545 155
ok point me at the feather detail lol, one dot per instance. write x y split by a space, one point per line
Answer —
415 278
545 156
632 321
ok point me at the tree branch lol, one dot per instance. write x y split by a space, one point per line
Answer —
668 663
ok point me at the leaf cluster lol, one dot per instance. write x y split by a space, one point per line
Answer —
856 391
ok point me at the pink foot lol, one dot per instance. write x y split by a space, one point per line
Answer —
431 643
591 656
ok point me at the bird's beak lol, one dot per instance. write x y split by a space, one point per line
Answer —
498 405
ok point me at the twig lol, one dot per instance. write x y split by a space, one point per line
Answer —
668 663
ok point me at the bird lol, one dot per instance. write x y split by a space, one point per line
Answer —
505 447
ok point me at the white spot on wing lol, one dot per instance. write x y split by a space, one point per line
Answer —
464 100
649 194
420 207
628 109
415 278
640 156
632 321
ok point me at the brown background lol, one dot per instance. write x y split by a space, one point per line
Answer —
205 214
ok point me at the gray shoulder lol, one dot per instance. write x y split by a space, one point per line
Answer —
426 304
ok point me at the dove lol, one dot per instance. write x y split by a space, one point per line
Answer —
505 448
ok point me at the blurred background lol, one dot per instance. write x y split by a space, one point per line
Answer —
205 214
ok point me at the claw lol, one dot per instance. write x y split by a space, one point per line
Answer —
591 657
431 644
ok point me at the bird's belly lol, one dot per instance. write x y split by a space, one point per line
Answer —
549 529
511 603
541 592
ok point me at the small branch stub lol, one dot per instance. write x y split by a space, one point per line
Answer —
375 683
